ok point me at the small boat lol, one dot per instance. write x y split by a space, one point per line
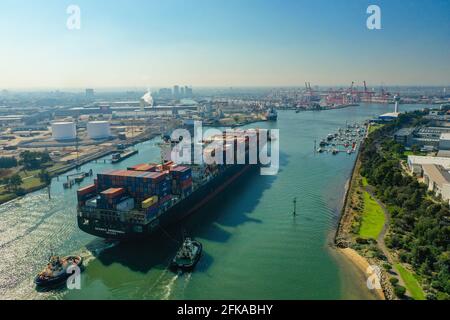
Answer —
56 271
335 151
320 150
188 256
323 143
349 152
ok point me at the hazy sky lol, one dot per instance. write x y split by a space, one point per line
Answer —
222 43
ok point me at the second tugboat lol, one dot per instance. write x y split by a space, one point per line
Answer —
56 271
188 256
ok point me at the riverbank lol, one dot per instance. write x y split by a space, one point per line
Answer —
58 169
365 222
344 237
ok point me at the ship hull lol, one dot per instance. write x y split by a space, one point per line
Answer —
184 208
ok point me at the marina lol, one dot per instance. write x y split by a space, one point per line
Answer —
346 140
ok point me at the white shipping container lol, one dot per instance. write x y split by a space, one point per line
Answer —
125 205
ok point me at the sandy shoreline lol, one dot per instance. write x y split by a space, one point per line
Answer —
362 265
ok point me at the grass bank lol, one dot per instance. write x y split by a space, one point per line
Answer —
411 282
373 218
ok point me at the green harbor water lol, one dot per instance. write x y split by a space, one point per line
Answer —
253 246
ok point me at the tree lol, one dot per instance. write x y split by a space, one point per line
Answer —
46 178
34 160
15 181
7 162
6 181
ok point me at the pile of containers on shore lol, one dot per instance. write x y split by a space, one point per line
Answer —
145 187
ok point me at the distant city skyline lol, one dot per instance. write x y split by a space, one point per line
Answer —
222 43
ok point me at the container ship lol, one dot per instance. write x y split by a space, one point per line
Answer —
134 203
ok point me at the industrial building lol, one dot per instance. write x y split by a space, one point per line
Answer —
98 129
444 141
415 163
429 138
437 179
64 131
405 136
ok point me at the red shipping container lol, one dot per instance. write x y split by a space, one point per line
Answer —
135 167
156 176
86 190
186 184
179 168
113 192
146 168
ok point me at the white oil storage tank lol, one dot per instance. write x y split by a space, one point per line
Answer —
64 131
98 129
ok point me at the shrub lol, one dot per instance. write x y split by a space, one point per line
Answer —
399 291
393 281
361 240
387 266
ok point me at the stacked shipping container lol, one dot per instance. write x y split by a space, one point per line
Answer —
181 180
86 193
137 184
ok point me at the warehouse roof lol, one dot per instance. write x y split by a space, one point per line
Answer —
437 174
405 131
445 136
422 160
444 153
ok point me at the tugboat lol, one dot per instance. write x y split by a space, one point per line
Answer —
188 256
56 271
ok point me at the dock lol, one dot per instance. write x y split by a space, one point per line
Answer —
118 157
